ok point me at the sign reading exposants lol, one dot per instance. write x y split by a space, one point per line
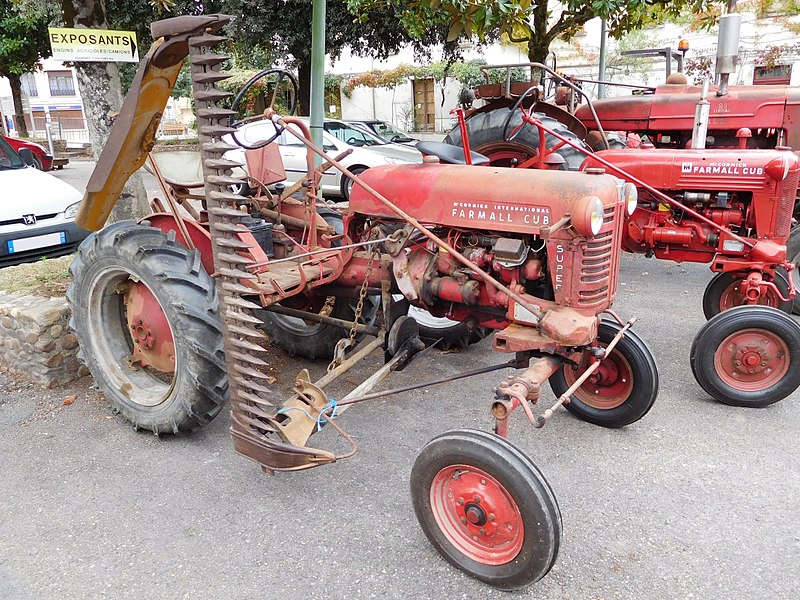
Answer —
93 45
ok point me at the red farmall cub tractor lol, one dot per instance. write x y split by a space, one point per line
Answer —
731 209
169 311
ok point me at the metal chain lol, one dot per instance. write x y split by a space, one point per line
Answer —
350 340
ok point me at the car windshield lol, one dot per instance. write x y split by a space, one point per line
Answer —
8 158
355 136
387 132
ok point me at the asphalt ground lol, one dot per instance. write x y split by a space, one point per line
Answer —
696 500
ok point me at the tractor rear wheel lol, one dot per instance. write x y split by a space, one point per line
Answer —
748 356
724 292
485 130
146 316
793 256
621 391
486 508
446 333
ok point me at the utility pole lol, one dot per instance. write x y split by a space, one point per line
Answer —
601 88
317 112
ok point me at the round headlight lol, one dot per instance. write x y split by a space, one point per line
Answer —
630 195
587 219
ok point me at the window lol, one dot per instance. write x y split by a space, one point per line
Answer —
61 83
351 135
29 85
777 75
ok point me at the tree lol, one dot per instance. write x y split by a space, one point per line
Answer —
23 43
285 27
101 92
535 22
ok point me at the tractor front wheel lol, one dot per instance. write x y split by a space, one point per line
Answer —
486 508
621 391
748 356
146 316
724 292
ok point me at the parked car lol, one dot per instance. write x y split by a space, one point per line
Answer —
37 212
386 131
368 151
42 159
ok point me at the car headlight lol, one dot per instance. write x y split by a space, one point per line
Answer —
395 161
587 219
631 196
72 211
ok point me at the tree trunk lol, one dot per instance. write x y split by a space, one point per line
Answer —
102 96
304 82
19 112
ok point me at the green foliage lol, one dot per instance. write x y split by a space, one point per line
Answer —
23 35
528 21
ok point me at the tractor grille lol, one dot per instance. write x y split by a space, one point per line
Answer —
599 266
786 192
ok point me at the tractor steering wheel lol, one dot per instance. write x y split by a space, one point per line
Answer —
508 137
281 74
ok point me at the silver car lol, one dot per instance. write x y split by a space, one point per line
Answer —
368 151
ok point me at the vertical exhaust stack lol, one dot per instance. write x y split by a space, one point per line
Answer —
701 115
727 49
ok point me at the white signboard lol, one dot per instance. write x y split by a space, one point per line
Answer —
93 45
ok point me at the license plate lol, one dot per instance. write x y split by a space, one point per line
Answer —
37 241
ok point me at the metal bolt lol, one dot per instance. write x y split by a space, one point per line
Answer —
477 499
475 538
732 346
510 526
738 363
483 482
735 374
449 494
483 531
463 521
461 502
491 517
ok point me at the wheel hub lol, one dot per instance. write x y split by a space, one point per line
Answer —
608 387
477 514
153 344
752 359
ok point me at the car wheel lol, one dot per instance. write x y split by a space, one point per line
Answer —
347 183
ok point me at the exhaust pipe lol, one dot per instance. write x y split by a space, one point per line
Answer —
701 114
727 49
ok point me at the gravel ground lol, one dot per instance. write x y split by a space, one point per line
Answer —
697 500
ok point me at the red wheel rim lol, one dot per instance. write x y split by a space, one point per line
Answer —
733 296
752 360
501 154
477 514
153 344
608 387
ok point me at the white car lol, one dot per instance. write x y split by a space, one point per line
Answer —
37 214
368 151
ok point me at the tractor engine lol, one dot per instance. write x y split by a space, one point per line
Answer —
549 236
749 192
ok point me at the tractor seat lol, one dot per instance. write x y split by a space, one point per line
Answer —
453 155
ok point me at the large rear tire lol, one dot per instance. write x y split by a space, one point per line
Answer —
748 356
486 508
485 130
146 316
723 293
793 256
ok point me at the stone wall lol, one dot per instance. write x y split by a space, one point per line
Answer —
35 342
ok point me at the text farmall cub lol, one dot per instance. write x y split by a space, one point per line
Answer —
168 311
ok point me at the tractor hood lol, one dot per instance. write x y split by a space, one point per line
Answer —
672 108
488 198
